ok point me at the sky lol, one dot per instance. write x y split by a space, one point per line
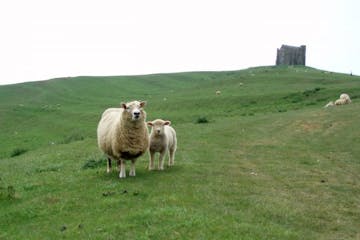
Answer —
42 39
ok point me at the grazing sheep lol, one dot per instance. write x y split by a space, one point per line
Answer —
346 97
162 140
330 104
123 135
218 92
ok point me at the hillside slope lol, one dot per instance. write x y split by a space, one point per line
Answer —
42 113
270 163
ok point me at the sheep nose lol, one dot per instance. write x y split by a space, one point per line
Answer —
158 131
136 114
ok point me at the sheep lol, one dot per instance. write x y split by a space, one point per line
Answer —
122 135
218 92
162 140
340 101
346 97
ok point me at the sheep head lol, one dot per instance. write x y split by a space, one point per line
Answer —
133 111
158 126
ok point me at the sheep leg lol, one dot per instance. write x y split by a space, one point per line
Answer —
171 157
161 160
151 162
108 168
122 173
132 169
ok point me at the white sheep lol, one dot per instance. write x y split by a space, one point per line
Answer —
346 97
162 140
218 92
123 135
340 101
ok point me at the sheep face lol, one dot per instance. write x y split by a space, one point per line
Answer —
158 126
134 110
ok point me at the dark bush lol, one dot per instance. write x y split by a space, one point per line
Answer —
17 152
202 120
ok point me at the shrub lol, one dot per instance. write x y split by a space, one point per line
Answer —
17 152
202 120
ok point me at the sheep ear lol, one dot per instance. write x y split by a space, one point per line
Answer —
149 123
167 123
142 104
123 105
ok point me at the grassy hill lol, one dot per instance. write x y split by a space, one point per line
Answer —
268 163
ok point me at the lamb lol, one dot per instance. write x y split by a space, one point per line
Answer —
162 140
123 135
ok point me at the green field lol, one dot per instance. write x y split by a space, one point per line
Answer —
262 160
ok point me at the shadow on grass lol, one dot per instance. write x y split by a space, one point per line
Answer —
141 173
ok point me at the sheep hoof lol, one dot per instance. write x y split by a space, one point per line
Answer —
122 175
132 174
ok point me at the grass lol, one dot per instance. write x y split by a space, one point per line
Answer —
271 163
94 162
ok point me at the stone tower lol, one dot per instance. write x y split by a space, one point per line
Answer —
289 55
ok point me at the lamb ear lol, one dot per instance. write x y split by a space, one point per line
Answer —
167 123
123 105
149 123
142 104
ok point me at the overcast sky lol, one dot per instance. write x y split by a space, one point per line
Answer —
42 39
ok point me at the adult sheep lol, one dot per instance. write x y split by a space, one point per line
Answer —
122 135
162 140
